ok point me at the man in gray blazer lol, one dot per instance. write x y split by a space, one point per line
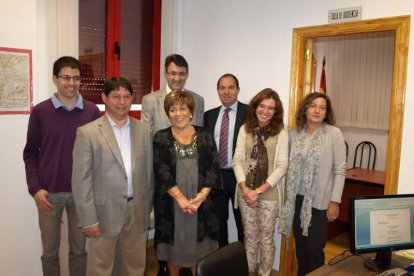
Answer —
228 89
112 184
176 74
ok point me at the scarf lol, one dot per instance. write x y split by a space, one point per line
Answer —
295 177
258 161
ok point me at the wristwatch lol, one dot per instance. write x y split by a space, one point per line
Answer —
258 191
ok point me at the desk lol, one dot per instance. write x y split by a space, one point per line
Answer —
366 176
358 182
354 265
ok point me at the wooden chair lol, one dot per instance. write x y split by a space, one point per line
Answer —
225 261
370 149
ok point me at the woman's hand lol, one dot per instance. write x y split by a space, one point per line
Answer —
186 205
194 204
251 197
333 211
183 202
198 200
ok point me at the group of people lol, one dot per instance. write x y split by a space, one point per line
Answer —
109 171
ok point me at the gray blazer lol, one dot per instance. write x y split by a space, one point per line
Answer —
99 180
153 110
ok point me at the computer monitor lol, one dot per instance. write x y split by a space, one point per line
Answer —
382 224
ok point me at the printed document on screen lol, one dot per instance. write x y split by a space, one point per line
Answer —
390 226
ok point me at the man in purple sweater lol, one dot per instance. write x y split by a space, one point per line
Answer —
48 161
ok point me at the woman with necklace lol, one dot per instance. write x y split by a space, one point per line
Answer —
186 169
315 180
259 163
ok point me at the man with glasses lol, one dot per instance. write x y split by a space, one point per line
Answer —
176 74
48 162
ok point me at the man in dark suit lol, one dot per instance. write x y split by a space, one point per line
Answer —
228 90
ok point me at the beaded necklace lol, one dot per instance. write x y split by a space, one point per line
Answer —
186 150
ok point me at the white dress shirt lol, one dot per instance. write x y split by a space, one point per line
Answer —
123 137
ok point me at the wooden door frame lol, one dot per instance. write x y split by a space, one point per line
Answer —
401 26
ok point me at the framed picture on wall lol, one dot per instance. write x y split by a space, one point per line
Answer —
16 89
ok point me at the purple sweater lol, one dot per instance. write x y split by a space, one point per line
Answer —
50 139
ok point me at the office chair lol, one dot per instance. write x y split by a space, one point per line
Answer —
360 148
225 261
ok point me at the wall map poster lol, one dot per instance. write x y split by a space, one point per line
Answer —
16 90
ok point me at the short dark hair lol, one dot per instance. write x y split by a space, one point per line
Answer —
115 83
300 118
226 76
66 61
179 97
178 60
276 123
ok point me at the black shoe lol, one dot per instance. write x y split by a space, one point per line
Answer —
185 272
163 271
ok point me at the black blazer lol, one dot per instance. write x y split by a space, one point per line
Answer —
210 119
165 161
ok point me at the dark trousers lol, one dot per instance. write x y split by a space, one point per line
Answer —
309 250
221 199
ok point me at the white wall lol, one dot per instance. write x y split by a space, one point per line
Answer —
353 136
19 231
47 28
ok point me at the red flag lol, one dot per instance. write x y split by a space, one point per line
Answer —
323 78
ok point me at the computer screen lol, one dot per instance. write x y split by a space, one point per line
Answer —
382 224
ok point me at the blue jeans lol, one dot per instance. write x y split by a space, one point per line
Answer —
50 223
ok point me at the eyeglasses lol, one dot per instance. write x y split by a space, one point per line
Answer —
67 78
177 74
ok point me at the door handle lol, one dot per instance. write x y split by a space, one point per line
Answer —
118 49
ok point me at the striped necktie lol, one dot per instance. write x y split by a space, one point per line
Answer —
224 138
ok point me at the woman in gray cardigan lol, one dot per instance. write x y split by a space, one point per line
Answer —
259 163
315 180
